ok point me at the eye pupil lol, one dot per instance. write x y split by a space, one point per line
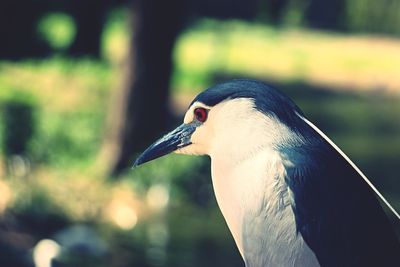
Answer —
200 114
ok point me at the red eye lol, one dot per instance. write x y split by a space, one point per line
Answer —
200 114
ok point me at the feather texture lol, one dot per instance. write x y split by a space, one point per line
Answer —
336 211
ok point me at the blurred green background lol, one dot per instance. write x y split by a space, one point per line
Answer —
63 65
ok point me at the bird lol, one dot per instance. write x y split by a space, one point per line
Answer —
289 195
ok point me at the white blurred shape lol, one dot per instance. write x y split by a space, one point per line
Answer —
158 196
44 252
158 234
19 165
124 216
5 196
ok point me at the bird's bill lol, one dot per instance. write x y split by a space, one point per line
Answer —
178 138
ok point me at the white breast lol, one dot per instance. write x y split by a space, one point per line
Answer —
256 205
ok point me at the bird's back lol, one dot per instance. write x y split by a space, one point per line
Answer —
336 211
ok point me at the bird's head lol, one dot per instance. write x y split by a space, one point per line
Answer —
235 116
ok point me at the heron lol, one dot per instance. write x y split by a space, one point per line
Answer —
289 195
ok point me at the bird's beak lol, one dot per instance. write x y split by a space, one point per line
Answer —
178 138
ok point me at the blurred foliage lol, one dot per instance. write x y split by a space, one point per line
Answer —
285 54
58 29
164 214
116 36
69 100
373 16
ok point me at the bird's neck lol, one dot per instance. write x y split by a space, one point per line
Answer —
255 201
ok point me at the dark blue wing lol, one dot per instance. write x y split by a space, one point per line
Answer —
336 211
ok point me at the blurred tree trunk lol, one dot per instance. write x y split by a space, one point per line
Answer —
326 14
276 9
140 110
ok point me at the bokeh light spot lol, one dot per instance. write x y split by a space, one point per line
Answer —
58 30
